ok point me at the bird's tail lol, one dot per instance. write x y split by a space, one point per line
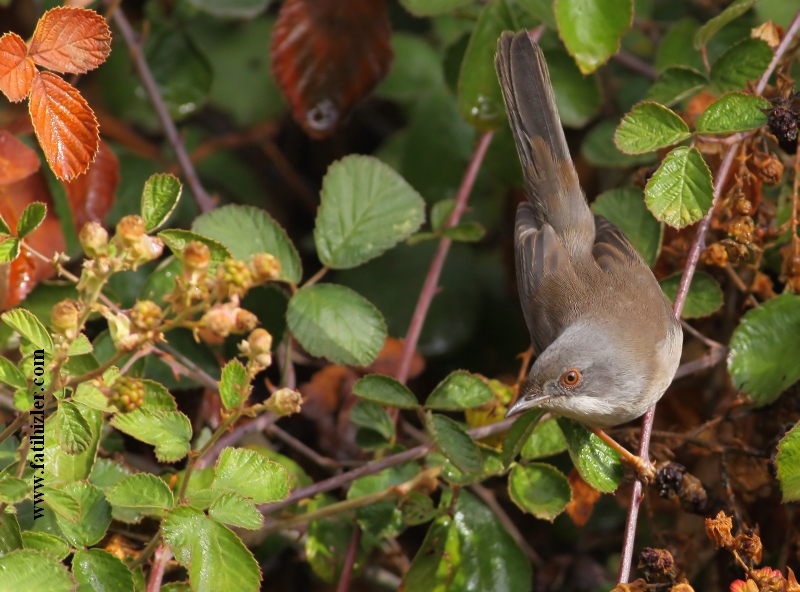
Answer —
551 179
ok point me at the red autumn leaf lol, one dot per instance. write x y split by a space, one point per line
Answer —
17 161
16 68
326 56
73 40
20 276
388 360
64 124
91 195
583 499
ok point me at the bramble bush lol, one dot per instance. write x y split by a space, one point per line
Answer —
298 380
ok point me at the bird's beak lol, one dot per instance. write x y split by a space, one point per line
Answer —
524 403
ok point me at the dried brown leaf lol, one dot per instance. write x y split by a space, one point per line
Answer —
584 496
17 161
64 124
73 40
16 68
719 530
91 195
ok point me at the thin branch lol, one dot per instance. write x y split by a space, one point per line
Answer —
377 466
349 560
636 64
232 437
203 199
313 455
163 555
430 287
680 299
788 37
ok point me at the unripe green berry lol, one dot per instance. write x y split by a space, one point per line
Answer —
127 394
94 239
146 315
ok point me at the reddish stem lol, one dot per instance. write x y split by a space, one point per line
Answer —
349 560
430 286
203 199
163 555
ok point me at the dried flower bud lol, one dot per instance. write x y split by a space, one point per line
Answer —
768 579
768 33
196 259
65 317
635 586
146 249
258 347
681 587
656 564
719 530
743 206
715 254
146 315
94 239
749 544
129 230
285 401
265 267
119 326
246 321
742 586
126 394
234 278
220 320
769 169
741 229
791 581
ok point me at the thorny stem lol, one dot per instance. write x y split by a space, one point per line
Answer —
430 287
691 264
203 199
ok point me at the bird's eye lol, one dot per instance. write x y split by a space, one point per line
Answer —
571 378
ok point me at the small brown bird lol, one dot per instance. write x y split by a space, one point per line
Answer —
608 343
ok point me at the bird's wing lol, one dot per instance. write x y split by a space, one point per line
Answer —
612 248
544 277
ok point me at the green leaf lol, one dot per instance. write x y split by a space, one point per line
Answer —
704 297
12 489
676 48
251 475
245 231
479 98
157 397
168 431
764 349
432 7
454 442
11 375
598 464
80 347
27 325
676 84
100 571
231 508
591 29
546 440
385 390
30 219
454 555
440 213
788 463
625 208
374 417
234 387
241 9
539 489
72 430
366 208
215 557
599 149
177 240
745 61
10 539
518 434
95 515
733 112
4 229
384 518
143 492
578 97
736 9
649 127
46 543
62 503
460 390
680 192
31 571
159 198
335 322
326 542
465 232
541 10
9 250
89 395
63 468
